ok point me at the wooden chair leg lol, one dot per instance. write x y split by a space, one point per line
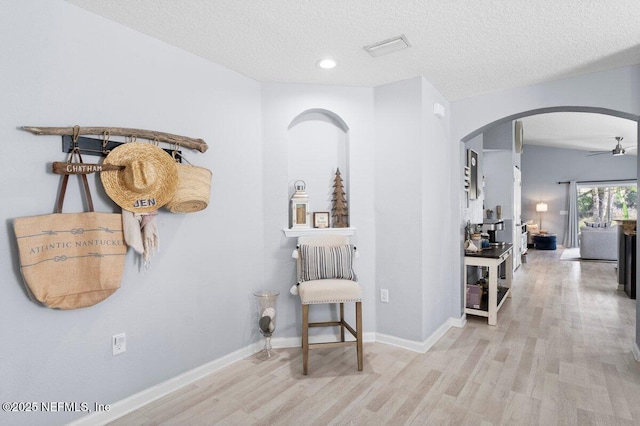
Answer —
342 322
359 335
305 338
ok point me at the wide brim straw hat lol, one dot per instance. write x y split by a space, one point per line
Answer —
147 182
193 190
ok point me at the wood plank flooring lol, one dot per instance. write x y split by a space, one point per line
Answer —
560 355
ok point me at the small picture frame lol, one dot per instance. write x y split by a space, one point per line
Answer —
472 163
321 219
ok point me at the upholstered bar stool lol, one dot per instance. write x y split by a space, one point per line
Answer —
325 276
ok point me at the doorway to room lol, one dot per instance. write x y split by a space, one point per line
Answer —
528 209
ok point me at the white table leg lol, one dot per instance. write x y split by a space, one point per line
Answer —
464 288
509 269
493 295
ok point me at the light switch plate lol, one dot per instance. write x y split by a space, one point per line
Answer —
119 343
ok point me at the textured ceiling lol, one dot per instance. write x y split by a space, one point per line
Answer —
464 48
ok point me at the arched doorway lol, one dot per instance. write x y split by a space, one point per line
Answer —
516 116
596 110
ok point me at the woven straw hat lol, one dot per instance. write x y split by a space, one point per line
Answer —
192 193
148 180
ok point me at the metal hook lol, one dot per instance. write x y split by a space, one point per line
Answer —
105 141
74 139
176 151
76 133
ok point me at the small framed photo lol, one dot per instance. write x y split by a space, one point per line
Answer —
321 219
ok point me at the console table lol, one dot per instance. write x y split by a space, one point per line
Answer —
491 258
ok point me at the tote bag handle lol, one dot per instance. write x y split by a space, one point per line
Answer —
65 180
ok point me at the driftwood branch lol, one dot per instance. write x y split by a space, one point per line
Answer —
151 135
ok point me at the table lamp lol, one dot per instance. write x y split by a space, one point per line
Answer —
540 208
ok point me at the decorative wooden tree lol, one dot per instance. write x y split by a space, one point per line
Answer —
339 210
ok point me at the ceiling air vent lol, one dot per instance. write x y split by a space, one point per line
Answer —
388 46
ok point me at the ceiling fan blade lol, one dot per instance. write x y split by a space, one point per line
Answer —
598 153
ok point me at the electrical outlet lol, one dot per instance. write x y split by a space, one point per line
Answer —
119 343
384 295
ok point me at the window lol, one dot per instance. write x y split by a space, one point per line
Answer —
607 201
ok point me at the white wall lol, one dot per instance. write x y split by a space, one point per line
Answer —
411 222
498 172
62 66
316 148
436 217
400 147
500 160
544 167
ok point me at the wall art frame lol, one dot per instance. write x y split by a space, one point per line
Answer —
321 219
472 163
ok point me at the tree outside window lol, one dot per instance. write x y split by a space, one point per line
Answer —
606 203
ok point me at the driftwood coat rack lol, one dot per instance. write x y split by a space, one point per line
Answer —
182 141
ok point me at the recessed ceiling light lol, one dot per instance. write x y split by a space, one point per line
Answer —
326 64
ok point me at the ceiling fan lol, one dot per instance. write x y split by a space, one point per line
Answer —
617 151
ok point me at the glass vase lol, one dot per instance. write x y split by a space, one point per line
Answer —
266 309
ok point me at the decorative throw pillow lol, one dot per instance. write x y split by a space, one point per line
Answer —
323 262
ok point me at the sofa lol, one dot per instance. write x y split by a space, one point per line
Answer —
599 243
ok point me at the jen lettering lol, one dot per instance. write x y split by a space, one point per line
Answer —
148 202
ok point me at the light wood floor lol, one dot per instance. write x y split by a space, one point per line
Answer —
560 355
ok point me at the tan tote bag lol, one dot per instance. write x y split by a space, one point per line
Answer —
71 260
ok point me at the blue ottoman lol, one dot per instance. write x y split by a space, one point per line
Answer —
544 242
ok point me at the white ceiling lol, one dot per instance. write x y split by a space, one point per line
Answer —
579 130
464 48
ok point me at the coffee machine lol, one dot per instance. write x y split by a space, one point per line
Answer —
491 226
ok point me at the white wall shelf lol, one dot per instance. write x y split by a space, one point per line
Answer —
295 233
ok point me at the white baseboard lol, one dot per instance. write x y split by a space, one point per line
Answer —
424 346
140 399
636 351
295 342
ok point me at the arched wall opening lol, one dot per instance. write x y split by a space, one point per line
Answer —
318 145
512 117
472 140
509 118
